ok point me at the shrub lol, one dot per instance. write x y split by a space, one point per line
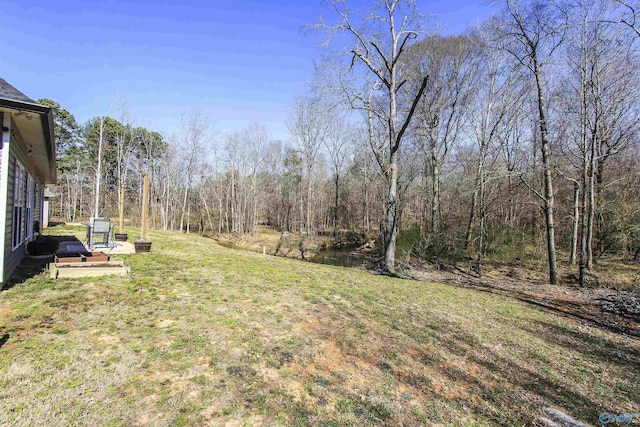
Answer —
437 248
509 244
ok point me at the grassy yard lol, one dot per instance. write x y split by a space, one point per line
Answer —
203 335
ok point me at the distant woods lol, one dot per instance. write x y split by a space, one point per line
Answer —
518 138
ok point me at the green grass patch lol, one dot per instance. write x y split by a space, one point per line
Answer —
203 335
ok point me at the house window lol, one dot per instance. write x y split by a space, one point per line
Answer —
23 203
29 205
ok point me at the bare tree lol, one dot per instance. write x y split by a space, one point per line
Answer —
96 208
124 155
307 126
338 144
496 96
235 153
533 31
441 113
600 99
196 136
373 83
626 14
257 138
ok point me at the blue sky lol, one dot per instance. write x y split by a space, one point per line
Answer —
236 62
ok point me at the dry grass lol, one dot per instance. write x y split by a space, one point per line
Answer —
203 335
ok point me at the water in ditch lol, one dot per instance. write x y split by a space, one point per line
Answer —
341 257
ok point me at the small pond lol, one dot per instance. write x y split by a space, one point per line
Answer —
231 245
341 257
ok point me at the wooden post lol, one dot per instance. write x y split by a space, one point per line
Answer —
145 205
122 208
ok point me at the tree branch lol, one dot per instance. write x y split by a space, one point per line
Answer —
526 184
410 36
412 110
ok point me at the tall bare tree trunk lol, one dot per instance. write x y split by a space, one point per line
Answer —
483 216
477 188
582 263
207 211
121 210
365 203
575 223
592 203
166 195
232 191
435 194
548 182
301 211
184 208
309 216
336 183
391 223
472 213
220 217
96 207
188 218
582 269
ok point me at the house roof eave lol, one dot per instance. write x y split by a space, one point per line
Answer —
46 121
31 107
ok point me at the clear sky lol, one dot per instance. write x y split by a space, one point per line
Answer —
236 62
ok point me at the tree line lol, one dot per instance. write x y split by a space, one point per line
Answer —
521 132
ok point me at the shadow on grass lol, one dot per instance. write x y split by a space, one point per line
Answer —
604 349
4 339
33 265
29 267
512 390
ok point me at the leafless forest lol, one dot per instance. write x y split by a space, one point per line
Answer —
522 132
